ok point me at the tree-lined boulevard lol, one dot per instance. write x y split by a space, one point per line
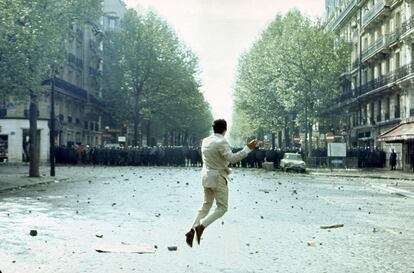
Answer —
118 96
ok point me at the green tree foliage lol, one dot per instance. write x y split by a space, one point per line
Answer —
33 40
152 76
291 72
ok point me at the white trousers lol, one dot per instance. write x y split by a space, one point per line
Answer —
220 193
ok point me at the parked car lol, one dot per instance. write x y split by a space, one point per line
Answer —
292 161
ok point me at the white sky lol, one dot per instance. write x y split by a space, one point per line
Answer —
219 31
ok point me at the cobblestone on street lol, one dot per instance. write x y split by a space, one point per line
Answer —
273 224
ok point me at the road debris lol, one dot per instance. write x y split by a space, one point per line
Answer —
33 232
332 226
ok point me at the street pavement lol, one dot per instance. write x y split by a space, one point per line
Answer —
273 223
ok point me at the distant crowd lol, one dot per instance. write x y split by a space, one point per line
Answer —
191 156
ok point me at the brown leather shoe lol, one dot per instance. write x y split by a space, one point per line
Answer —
190 237
199 231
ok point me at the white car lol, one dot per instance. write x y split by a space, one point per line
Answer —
292 161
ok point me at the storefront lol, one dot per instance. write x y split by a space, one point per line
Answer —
404 134
15 139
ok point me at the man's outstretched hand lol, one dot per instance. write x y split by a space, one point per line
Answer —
252 144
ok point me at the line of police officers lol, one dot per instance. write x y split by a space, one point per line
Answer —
153 156
191 156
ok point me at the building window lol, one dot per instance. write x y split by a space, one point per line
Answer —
387 108
86 125
397 107
379 111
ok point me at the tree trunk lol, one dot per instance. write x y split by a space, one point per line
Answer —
149 132
306 128
135 142
310 139
34 143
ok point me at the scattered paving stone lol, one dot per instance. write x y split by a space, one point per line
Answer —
311 243
113 204
261 217
332 226
172 248
33 232
99 236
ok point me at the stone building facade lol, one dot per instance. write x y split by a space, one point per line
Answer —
79 106
378 85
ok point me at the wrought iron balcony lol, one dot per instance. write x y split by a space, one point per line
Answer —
68 87
407 25
389 78
335 21
393 36
379 7
374 48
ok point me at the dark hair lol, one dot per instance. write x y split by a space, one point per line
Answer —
219 126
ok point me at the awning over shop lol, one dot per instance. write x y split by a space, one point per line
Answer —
401 132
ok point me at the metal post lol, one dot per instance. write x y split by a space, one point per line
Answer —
52 128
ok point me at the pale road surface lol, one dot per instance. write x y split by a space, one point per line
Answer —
272 218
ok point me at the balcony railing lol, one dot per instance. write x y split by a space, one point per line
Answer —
336 20
393 36
407 25
374 47
374 11
379 82
67 86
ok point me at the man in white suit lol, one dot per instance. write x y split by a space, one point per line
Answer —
217 156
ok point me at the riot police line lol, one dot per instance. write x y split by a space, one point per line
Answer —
191 156
154 156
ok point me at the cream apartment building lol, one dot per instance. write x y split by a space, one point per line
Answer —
377 88
78 98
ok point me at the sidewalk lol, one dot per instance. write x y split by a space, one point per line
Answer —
377 173
15 176
394 182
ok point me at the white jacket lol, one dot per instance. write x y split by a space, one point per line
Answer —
217 156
